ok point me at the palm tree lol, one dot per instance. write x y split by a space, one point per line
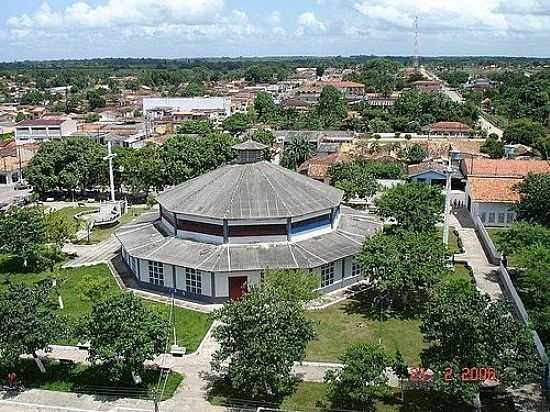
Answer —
296 152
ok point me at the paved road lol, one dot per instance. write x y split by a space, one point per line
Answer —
456 97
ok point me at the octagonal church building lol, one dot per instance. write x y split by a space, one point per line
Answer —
217 233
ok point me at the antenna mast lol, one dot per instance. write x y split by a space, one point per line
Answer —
416 46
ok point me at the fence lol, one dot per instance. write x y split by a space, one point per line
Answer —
511 293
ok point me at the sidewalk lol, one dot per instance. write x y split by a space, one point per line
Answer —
484 273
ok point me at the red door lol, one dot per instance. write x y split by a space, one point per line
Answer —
237 286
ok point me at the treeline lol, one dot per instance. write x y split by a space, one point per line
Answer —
77 164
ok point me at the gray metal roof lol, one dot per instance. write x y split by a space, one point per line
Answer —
250 145
255 190
151 242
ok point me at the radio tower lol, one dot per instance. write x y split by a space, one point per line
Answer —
416 57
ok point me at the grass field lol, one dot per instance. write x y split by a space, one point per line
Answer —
351 321
89 380
99 234
454 241
191 326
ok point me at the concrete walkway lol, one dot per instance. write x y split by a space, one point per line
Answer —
484 273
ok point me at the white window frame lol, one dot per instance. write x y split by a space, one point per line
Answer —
328 274
356 269
156 273
193 281
492 217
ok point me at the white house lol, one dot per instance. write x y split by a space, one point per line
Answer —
187 108
490 187
40 130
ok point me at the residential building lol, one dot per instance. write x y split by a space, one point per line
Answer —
13 159
318 166
382 100
450 129
40 130
490 187
187 108
427 85
216 234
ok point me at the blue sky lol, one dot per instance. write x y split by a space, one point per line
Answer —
53 29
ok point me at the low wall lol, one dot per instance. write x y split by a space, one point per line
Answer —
511 293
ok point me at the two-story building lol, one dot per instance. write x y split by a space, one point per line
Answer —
40 130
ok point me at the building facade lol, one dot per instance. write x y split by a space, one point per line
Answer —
41 130
217 234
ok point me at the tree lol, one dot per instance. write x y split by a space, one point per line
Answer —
32 97
265 107
466 329
332 107
292 285
355 178
29 321
415 153
193 89
296 152
95 99
265 137
67 164
361 379
261 335
493 147
20 117
123 334
59 228
22 232
404 265
534 287
523 131
415 206
237 123
534 203
200 127
522 235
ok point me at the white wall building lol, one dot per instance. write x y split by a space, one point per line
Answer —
40 130
215 108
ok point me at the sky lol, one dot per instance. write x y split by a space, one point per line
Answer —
66 29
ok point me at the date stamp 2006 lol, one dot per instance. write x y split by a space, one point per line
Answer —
472 374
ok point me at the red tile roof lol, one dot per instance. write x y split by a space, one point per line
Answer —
317 167
42 122
490 190
448 127
504 168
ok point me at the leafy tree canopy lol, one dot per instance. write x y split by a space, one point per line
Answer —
415 206
493 147
405 265
534 204
467 329
123 334
261 335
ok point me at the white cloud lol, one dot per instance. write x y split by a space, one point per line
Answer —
498 16
118 12
308 23
275 18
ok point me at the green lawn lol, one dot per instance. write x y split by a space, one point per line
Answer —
454 240
461 271
496 236
99 234
350 322
311 396
191 326
89 380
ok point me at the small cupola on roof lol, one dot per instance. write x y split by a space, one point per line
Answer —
249 151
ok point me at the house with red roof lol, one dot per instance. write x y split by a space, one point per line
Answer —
450 129
491 187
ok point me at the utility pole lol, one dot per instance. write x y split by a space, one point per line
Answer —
416 46
110 156
448 198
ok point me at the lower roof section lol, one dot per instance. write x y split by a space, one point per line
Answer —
150 241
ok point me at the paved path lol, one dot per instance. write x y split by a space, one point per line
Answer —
484 273
89 255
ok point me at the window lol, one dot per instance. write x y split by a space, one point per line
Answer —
312 223
156 273
483 217
509 218
327 274
356 269
501 218
492 217
133 264
193 282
